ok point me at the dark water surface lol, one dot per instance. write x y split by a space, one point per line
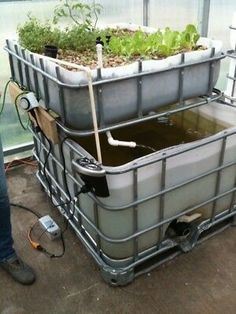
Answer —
155 134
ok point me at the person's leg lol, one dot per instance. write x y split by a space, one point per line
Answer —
6 242
9 261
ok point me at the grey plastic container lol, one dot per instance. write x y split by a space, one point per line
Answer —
121 94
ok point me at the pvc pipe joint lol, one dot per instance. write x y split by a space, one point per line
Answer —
114 142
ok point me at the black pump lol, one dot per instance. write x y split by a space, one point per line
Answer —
93 175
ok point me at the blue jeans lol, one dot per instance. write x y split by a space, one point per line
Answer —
6 241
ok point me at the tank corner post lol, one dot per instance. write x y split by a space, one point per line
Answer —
234 221
117 277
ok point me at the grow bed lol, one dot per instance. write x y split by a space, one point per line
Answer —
122 93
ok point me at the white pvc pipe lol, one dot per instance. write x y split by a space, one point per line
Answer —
99 56
92 100
114 142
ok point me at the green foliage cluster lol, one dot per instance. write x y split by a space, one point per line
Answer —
82 14
78 38
159 44
82 35
34 35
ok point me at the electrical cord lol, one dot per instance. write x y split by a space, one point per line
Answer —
64 172
15 103
4 96
17 162
84 189
37 245
32 211
18 113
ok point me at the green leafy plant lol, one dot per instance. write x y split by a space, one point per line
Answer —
118 43
160 44
34 35
82 14
77 38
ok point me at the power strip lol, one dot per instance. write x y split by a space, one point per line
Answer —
52 230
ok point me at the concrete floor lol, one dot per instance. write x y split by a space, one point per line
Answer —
202 281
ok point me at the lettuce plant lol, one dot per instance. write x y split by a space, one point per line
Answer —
160 44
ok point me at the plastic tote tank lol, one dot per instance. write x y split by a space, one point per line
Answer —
146 193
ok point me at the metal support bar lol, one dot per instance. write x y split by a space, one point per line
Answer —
135 213
162 198
73 132
100 106
11 61
19 66
45 85
96 222
218 177
139 91
211 73
27 76
18 149
61 98
181 80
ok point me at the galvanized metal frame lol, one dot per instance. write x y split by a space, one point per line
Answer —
23 64
232 55
112 270
18 149
118 272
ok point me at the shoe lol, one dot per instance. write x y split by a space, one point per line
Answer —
18 270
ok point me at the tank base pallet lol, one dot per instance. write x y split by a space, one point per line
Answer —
121 277
115 275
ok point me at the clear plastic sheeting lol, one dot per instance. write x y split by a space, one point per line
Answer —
174 13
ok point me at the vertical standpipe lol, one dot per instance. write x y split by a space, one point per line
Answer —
92 100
